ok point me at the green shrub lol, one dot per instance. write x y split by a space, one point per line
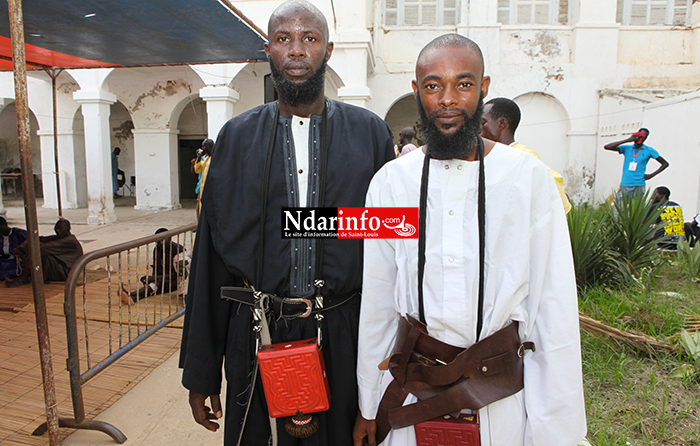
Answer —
633 230
689 260
614 245
595 262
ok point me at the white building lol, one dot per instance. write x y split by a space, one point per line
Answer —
584 72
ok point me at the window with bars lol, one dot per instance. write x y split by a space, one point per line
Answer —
533 12
653 12
421 12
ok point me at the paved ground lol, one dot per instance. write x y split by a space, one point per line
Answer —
156 411
131 223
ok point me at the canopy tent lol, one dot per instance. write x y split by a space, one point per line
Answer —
128 33
93 34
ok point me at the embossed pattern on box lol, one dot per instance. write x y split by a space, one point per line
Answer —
444 431
294 378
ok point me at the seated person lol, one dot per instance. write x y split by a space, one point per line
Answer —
671 216
168 267
10 238
58 255
692 230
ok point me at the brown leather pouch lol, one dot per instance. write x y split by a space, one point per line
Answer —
447 379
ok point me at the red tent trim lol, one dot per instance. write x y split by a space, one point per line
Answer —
40 57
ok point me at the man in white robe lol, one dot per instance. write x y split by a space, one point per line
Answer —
529 274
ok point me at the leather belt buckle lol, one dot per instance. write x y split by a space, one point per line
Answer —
309 306
526 346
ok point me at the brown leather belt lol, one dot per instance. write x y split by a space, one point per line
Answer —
447 379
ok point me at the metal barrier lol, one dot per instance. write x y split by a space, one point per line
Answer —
159 302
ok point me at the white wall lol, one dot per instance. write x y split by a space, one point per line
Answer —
543 126
620 116
671 122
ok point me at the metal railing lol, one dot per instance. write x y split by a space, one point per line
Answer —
158 300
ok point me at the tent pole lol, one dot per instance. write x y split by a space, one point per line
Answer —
53 74
25 153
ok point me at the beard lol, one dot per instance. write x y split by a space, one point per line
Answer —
299 93
461 142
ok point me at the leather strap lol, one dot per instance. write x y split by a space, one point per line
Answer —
496 353
285 307
447 379
422 231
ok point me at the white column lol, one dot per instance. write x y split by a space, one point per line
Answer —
155 163
594 51
220 100
350 56
218 94
66 166
3 103
595 37
478 21
95 106
695 26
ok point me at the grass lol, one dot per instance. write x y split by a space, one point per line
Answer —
631 399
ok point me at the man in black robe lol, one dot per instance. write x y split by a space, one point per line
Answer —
58 254
228 236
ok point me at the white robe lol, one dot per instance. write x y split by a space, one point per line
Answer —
529 278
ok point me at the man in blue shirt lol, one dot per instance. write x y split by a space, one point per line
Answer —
637 156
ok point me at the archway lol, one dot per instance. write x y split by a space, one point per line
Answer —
122 136
9 152
544 126
404 113
192 126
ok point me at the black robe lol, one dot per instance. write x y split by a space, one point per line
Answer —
225 253
58 255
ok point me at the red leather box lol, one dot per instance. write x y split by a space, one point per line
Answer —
294 378
443 431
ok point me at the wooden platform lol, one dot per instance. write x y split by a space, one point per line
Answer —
14 299
109 325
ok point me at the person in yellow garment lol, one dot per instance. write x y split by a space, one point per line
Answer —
499 122
670 222
200 165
